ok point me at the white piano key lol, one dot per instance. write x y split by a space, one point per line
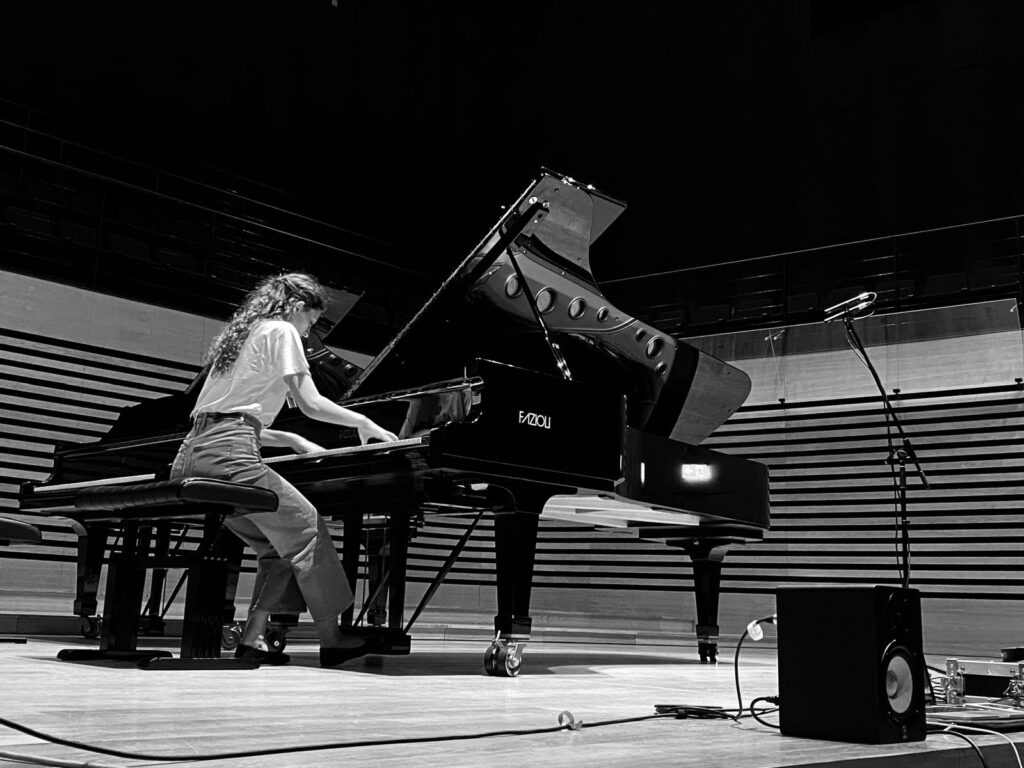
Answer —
410 442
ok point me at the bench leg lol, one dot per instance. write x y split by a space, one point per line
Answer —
212 580
213 572
126 582
122 606
350 547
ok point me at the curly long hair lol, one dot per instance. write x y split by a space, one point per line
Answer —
273 299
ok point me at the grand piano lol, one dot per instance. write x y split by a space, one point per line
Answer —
516 390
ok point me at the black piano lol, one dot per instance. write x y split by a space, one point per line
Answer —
517 389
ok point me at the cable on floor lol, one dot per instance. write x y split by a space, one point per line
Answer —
566 723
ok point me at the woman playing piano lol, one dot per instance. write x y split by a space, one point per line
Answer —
255 364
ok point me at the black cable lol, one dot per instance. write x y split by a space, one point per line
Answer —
736 669
686 711
755 715
968 739
736 658
570 725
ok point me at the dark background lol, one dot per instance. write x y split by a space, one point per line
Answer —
732 129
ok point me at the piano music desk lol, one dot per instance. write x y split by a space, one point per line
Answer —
136 508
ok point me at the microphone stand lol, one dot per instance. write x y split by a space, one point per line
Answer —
897 456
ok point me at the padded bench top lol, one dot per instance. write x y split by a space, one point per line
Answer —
168 497
16 530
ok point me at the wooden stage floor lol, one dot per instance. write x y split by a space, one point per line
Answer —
440 690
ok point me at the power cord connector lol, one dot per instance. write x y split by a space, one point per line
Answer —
755 633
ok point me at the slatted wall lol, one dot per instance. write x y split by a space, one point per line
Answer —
60 392
54 391
834 510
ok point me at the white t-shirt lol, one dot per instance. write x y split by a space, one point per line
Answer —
255 383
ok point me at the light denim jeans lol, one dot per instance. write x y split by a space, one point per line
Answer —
297 565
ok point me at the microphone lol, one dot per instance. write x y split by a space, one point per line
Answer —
852 308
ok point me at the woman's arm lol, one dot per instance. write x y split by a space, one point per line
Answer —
316 406
277 438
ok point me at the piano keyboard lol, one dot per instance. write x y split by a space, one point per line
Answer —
410 442
382 448
125 480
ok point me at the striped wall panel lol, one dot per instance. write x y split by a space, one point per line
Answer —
835 509
55 392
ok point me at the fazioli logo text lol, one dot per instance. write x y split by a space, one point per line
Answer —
535 419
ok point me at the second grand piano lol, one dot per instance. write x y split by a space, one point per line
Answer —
517 389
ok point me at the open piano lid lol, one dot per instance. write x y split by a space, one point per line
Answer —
481 311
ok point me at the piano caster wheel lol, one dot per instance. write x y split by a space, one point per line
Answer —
489 658
230 636
90 626
503 660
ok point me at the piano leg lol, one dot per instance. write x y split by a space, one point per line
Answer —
515 547
151 622
706 556
377 561
92 545
387 563
398 561
231 548
352 532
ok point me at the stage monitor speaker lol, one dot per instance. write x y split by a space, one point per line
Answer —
851 666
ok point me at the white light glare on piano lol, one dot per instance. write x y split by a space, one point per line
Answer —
643 473
696 473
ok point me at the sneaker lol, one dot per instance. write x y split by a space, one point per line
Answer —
274 659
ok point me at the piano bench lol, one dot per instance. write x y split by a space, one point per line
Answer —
16 530
181 497
211 569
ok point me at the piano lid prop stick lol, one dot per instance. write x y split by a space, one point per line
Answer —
556 351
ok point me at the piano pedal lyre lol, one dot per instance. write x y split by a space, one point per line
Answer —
504 657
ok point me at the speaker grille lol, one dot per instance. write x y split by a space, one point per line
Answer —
899 682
